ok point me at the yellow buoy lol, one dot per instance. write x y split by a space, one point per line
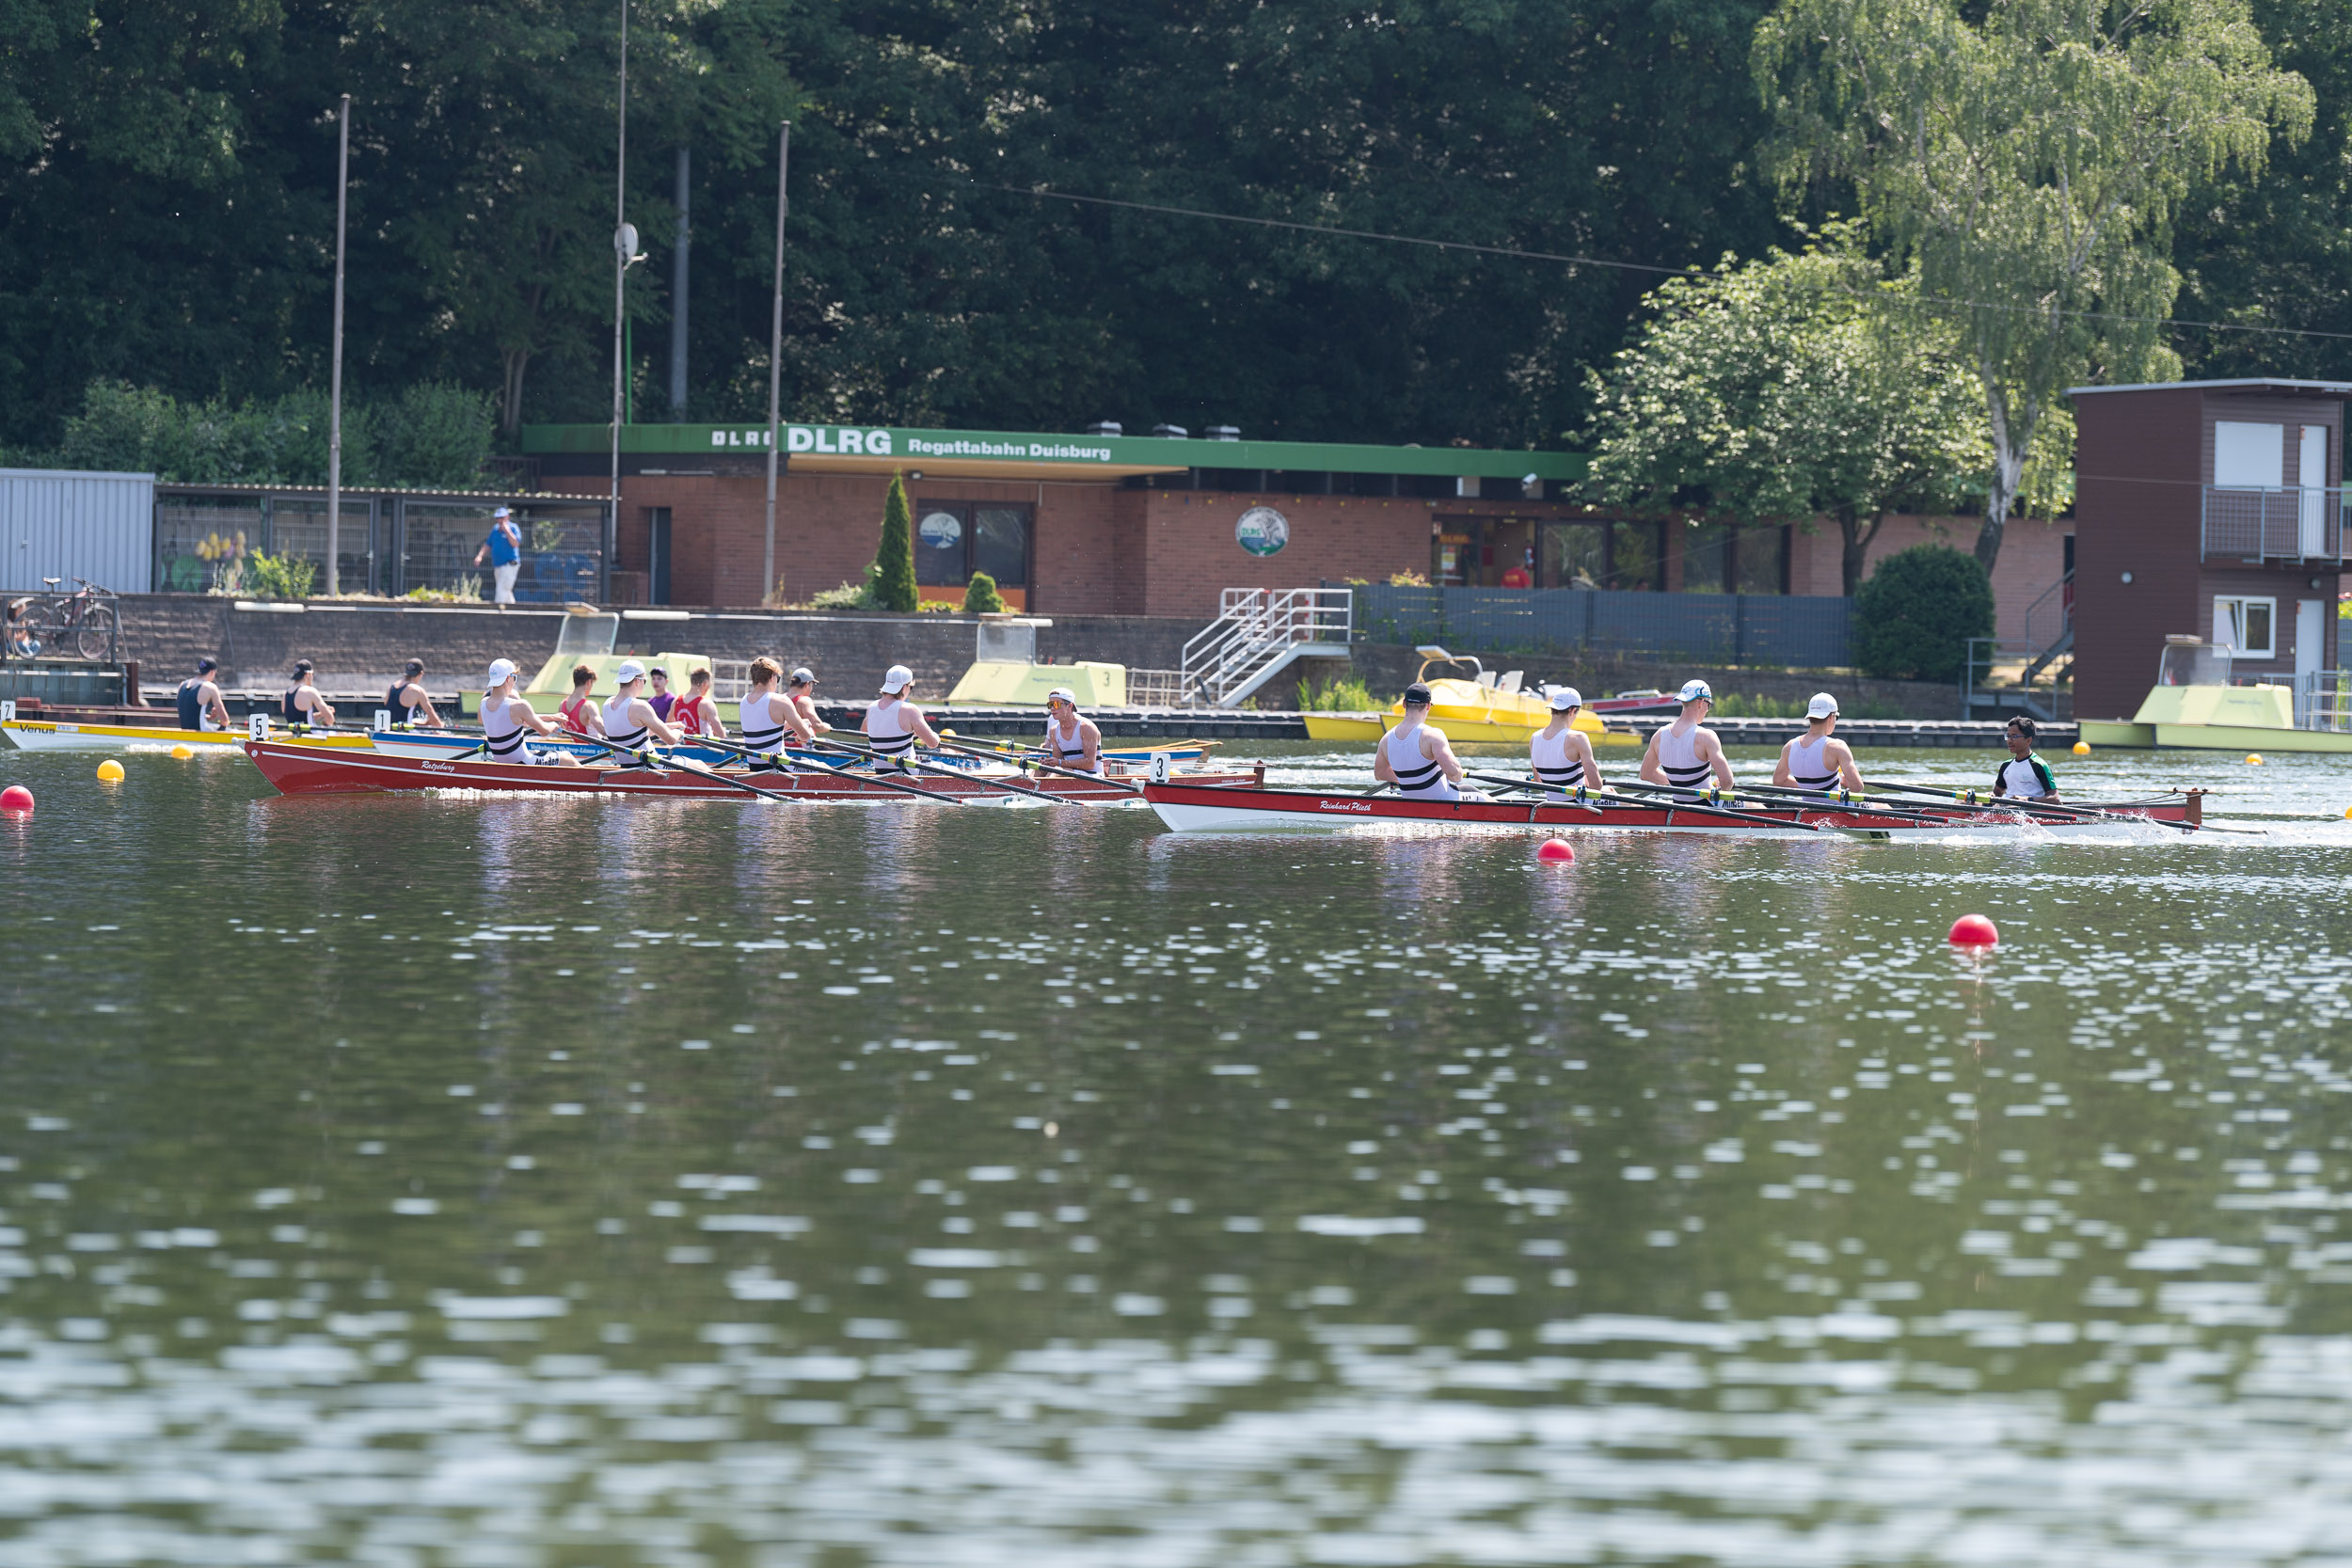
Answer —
2254 759
110 772
183 753
2082 747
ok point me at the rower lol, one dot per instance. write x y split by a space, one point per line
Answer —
662 699
302 707
1816 759
507 719
801 694
408 702
768 716
694 713
1073 742
2025 775
578 711
894 724
1561 753
628 718
1417 760
200 707
1685 752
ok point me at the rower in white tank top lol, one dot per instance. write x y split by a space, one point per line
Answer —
630 720
1418 778
1562 758
1816 760
1684 753
1070 738
894 724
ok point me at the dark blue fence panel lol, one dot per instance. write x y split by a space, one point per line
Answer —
1722 628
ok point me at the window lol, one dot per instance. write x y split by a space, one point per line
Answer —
2246 626
1706 558
1763 556
1576 555
954 539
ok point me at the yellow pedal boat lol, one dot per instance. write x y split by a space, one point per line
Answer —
1485 711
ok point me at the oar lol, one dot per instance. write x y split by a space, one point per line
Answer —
1842 801
683 766
912 761
1536 787
1044 766
2047 811
803 760
1675 802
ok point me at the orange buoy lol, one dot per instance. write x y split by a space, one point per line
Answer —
183 753
1555 852
2254 759
110 772
16 801
1974 930
2082 747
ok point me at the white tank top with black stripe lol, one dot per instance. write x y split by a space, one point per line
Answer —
1550 755
1417 777
1810 765
1679 757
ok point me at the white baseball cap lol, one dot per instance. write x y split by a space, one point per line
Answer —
1564 698
1822 706
1692 690
897 678
501 670
629 671
803 676
503 511
1062 693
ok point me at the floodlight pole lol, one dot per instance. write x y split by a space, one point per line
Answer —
623 242
335 382
775 362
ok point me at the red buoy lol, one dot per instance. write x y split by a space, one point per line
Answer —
1555 852
16 799
1974 930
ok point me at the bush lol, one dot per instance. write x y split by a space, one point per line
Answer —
434 434
981 596
1346 694
1914 615
430 435
280 577
894 560
849 595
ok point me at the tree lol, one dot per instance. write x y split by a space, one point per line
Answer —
2030 165
1788 388
1913 618
894 560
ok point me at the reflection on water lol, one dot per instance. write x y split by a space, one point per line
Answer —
571 1182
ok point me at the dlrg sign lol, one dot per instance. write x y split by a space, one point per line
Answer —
804 437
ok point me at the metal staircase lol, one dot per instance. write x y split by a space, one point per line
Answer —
1261 632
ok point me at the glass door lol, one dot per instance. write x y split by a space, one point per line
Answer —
954 539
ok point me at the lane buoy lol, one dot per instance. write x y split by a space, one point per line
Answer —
1974 930
183 751
2082 747
16 801
110 772
2254 759
1556 851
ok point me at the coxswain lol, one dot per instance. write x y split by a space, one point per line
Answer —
1561 753
302 707
2025 775
1816 759
893 724
408 702
1073 742
661 699
200 707
1685 752
1417 760
768 716
801 694
508 720
630 720
694 713
578 711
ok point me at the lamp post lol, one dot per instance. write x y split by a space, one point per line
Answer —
624 254
335 387
776 363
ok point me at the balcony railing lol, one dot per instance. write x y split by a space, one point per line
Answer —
2290 524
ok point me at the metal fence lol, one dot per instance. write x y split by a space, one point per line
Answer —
2296 523
70 525
1722 628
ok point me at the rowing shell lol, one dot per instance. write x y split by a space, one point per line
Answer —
440 743
1188 807
298 769
33 734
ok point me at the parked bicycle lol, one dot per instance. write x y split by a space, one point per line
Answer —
51 624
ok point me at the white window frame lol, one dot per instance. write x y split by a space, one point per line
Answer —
2228 624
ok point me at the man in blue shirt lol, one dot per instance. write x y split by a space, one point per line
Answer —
504 550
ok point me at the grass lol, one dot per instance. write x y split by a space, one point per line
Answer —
1348 694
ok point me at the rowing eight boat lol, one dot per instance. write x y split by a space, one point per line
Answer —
1188 807
34 735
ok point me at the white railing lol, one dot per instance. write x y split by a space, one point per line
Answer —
2323 701
1158 688
2295 523
1258 633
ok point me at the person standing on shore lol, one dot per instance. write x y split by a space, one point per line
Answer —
801 694
302 706
504 549
1685 751
578 711
1814 760
407 700
200 707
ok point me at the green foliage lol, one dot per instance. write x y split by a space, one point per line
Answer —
1914 617
981 596
2029 158
280 577
851 596
1343 694
430 435
893 558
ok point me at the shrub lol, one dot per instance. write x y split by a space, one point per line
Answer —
280 577
894 560
981 596
1914 615
432 435
849 595
1346 694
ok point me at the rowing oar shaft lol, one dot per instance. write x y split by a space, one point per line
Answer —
684 766
952 772
1536 787
841 773
2049 811
1678 801
1043 766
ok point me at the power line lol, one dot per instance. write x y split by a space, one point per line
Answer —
1515 253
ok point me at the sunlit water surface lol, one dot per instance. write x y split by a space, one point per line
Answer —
461 1182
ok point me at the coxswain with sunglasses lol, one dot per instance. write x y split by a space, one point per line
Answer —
1816 760
1686 754
1417 760
2025 775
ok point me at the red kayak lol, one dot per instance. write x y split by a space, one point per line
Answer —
295 771
1187 807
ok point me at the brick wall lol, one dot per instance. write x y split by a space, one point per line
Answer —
2032 559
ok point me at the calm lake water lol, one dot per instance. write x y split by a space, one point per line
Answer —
450 1182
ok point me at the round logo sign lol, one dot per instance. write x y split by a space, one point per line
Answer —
1261 531
941 531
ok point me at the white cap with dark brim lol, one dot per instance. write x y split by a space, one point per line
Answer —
501 672
1695 692
1566 697
803 676
629 671
897 678
1823 705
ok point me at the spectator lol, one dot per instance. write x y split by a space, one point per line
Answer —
504 552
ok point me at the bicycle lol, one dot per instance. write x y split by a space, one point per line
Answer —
86 616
